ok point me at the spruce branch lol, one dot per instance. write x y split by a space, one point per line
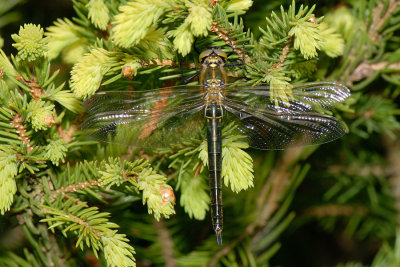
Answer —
167 243
93 229
335 210
394 157
21 131
375 114
381 13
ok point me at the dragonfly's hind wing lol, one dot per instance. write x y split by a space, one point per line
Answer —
147 119
280 128
304 97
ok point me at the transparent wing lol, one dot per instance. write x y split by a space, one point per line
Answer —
301 97
280 124
148 119
168 116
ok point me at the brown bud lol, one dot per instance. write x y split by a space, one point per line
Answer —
127 71
48 119
167 195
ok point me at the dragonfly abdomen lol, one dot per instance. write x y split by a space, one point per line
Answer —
213 114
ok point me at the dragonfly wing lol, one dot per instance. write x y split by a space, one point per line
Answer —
302 97
146 119
282 128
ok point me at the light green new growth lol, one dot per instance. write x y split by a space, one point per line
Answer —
98 13
306 38
30 42
8 170
68 100
331 42
199 17
203 154
140 45
342 21
135 19
195 198
237 170
183 38
239 6
237 164
40 114
64 37
56 151
281 89
87 74
156 42
310 34
152 184
117 250
5 65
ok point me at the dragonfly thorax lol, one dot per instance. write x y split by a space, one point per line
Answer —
213 91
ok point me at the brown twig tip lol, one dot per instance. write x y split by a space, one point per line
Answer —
21 131
127 71
158 62
223 35
36 91
66 135
282 58
49 120
213 2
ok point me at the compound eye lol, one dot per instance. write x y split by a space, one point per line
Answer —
204 54
221 54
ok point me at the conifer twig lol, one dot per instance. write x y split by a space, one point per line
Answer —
75 187
66 135
282 57
335 210
21 131
274 188
36 91
365 69
224 35
213 2
166 243
393 150
378 20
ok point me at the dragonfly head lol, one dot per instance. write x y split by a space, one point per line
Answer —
213 58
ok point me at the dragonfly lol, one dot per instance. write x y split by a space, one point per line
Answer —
161 117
